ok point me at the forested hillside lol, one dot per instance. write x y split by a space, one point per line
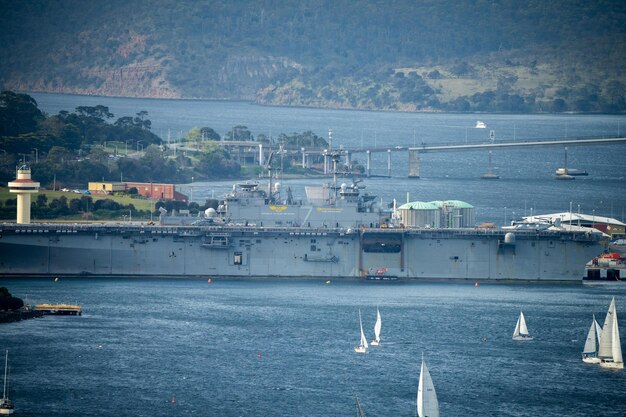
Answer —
461 55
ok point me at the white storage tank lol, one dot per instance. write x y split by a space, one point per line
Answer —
419 214
455 213
464 212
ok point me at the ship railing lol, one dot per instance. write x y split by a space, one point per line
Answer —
194 231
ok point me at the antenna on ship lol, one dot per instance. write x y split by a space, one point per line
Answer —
268 166
330 140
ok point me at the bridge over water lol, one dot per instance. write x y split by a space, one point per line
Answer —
257 152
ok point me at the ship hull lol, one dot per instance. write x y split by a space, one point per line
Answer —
470 254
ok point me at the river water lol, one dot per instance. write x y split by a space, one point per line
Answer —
285 348
187 347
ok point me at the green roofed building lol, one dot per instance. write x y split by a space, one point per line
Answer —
419 214
455 213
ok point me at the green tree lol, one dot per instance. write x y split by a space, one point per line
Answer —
240 133
98 154
194 135
209 134
99 112
19 114
217 164
42 200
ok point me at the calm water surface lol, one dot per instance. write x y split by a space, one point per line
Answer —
285 348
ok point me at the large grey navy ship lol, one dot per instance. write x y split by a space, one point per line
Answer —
338 231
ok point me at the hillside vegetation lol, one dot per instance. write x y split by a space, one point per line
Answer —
424 55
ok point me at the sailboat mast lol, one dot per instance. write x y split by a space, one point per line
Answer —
6 367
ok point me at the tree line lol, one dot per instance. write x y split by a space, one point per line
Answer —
89 144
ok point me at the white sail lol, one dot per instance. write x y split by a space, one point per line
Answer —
617 346
598 330
606 341
516 331
610 352
591 345
363 339
6 405
362 347
377 328
523 330
427 404
6 367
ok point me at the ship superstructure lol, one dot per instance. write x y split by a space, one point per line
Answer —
326 206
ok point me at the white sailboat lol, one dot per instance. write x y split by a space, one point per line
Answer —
6 405
377 328
610 352
362 347
521 331
427 404
590 351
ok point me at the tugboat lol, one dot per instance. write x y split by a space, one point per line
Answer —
6 405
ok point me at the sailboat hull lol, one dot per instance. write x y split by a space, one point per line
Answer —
612 365
6 407
373 343
520 337
360 349
591 359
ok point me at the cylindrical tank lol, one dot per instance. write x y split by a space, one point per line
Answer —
463 214
419 214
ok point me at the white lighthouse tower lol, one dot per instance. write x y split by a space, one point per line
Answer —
23 186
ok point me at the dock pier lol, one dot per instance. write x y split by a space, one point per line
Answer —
59 309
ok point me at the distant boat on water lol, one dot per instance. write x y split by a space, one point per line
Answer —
6 405
427 404
377 327
571 171
521 330
480 125
610 352
566 173
362 347
590 351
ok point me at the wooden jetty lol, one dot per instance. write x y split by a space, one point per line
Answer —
59 309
